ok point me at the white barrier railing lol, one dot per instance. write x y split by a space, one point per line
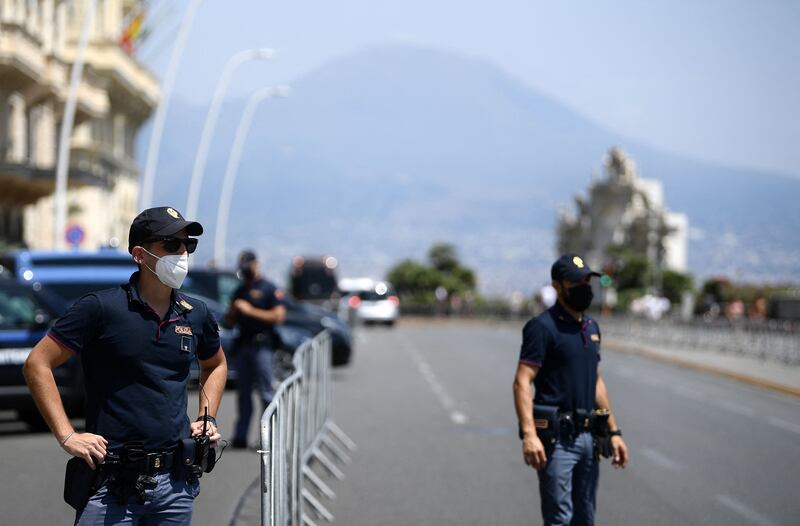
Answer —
296 428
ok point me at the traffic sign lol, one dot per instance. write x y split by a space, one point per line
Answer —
75 235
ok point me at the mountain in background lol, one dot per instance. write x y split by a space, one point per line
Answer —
377 155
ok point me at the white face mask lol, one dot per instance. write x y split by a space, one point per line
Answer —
170 270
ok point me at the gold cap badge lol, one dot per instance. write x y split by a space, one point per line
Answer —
174 213
578 262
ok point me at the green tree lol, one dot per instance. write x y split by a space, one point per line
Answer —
418 281
443 257
465 277
631 270
410 277
674 284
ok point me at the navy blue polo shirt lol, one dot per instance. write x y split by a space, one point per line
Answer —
135 364
566 353
262 294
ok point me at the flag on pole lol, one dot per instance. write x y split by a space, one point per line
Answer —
133 32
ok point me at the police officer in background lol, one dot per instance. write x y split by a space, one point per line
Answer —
256 308
560 355
136 343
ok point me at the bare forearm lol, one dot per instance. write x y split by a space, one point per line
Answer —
602 401
213 380
271 316
45 393
523 402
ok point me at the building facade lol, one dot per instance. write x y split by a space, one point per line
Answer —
623 208
117 94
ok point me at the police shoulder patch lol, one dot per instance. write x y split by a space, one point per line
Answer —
256 294
595 337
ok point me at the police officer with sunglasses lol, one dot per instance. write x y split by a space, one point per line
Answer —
136 343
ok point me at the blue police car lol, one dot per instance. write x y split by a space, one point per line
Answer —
26 312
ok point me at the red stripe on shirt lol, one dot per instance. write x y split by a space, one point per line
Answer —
61 343
533 364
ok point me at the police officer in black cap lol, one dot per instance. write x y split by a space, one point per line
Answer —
256 307
136 343
570 416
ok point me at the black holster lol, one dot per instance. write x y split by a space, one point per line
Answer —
546 421
81 482
128 474
196 456
601 436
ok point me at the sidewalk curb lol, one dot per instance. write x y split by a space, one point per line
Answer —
709 369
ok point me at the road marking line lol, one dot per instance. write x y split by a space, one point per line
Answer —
734 408
697 395
458 417
445 400
688 392
784 424
744 511
660 459
624 371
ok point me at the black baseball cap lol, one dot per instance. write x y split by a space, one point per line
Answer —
160 221
571 267
246 257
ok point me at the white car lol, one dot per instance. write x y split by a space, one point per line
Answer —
371 301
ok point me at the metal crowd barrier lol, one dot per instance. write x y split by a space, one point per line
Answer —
297 432
767 340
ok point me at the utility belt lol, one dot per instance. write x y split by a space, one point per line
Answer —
553 423
130 470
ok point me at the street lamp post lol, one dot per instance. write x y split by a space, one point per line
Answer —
223 212
67 121
146 188
211 121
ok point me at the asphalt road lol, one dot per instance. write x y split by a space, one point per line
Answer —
431 410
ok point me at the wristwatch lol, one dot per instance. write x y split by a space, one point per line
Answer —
207 418
615 433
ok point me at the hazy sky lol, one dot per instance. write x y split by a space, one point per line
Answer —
714 80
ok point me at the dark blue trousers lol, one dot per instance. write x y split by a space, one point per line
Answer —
253 367
568 483
170 502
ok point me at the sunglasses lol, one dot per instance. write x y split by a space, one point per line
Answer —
173 244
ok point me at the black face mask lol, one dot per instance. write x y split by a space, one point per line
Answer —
248 274
580 297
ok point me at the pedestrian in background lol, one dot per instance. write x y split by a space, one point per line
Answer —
136 343
256 308
560 355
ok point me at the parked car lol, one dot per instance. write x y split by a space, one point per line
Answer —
26 312
303 320
69 274
369 301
